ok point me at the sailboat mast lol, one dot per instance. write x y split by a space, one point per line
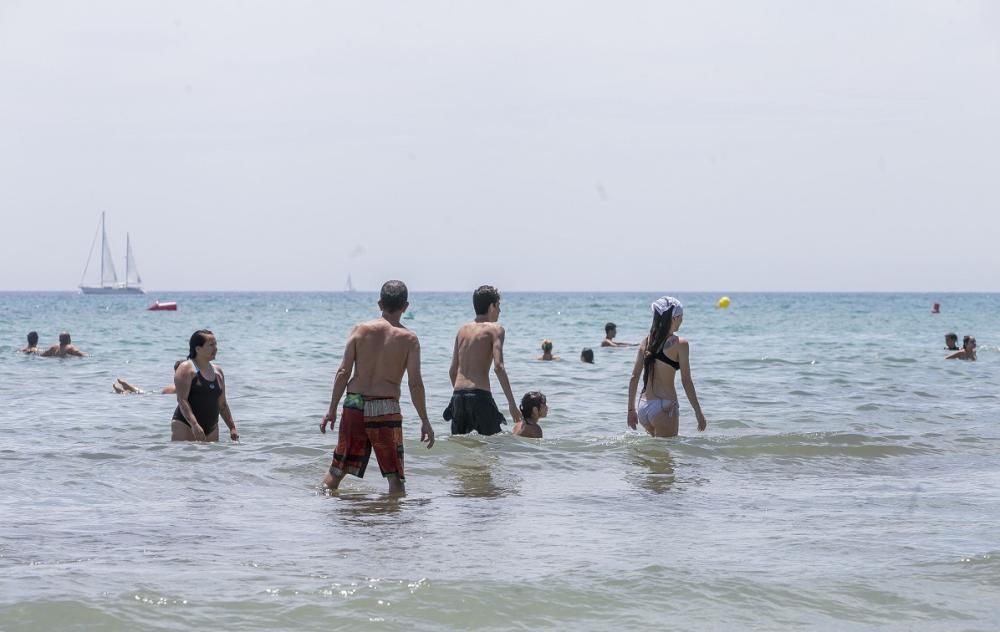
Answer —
127 246
104 238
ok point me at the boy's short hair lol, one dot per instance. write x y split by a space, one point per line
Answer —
609 327
33 338
64 338
547 345
587 355
483 297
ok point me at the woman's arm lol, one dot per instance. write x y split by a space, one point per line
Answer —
685 358
633 385
227 415
183 377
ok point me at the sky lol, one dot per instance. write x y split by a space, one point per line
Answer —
849 145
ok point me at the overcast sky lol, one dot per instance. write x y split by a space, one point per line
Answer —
848 145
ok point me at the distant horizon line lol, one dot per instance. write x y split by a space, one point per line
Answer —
153 293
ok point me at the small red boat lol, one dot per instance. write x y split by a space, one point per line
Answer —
157 306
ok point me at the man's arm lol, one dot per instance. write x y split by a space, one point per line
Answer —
453 371
685 362
340 381
632 418
73 351
501 372
48 353
227 415
417 395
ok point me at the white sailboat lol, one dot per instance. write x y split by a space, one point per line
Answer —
350 285
109 276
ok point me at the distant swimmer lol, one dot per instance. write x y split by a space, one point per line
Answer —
64 349
661 355
378 353
477 344
587 355
610 331
201 393
951 342
32 343
547 351
967 352
533 408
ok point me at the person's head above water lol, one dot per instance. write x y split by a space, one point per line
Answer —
533 405
64 339
202 345
668 314
969 342
587 355
951 340
32 338
394 297
546 346
486 301
610 330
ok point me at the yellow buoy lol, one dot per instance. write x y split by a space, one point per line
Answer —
723 302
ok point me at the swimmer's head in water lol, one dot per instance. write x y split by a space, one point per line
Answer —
200 340
951 339
394 296
64 339
547 346
969 342
587 355
32 338
610 329
485 297
530 401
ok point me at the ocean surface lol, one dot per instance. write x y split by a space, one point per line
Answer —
849 478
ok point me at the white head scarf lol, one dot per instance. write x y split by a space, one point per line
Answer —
664 303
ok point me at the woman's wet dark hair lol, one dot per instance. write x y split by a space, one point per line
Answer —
33 338
530 400
198 339
659 332
547 346
483 297
587 355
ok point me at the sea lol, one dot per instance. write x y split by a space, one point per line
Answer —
849 477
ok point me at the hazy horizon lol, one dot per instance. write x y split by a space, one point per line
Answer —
831 146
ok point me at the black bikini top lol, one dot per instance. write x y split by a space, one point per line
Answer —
662 357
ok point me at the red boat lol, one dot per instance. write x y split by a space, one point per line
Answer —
169 306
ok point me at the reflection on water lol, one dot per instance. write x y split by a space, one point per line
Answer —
480 476
657 465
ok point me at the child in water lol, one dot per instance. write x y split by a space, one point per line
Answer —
533 408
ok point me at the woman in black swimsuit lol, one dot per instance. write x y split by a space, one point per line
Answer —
201 394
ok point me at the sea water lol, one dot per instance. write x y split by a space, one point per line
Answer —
848 478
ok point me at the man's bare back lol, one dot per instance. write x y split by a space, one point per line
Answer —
59 351
380 352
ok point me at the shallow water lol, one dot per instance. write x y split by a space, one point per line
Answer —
848 479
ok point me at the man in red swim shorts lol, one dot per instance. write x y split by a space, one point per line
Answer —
378 353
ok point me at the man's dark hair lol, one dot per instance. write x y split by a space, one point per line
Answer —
64 338
394 296
483 297
32 338
949 336
609 327
587 355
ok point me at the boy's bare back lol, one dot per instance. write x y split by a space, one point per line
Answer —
475 347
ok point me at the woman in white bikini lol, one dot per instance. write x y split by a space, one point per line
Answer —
661 355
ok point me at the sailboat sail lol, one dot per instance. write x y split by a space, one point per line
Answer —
108 274
132 276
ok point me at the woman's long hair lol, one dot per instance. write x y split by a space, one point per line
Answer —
198 339
659 332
